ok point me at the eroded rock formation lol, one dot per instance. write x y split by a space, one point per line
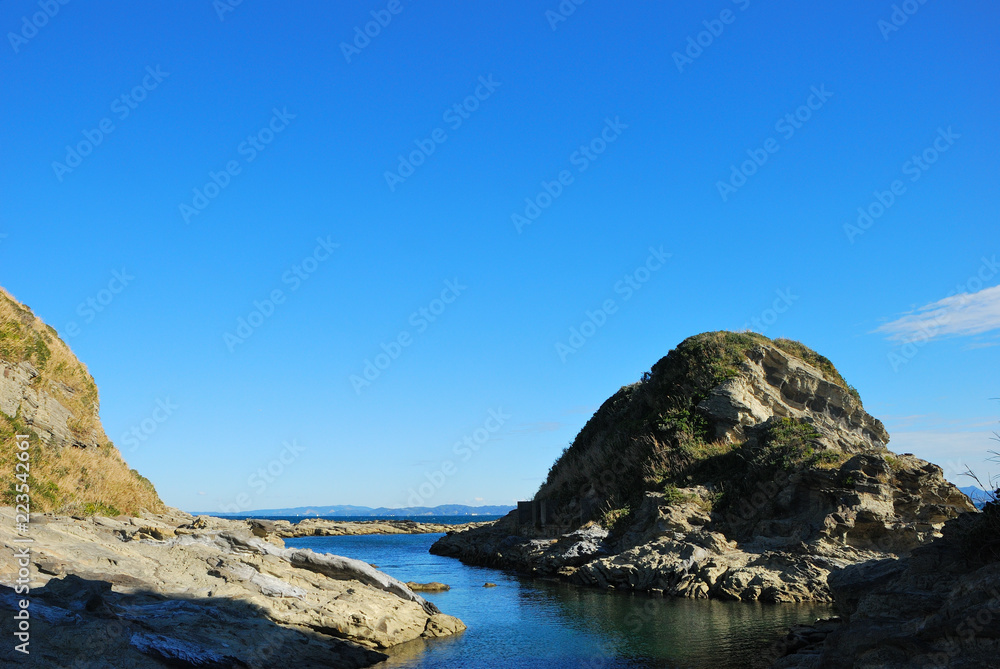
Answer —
738 468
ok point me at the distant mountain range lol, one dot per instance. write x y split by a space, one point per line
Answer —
978 496
381 512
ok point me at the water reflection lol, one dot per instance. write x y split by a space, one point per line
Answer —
538 623
680 632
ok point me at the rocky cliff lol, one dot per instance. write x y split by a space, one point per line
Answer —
738 468
46 393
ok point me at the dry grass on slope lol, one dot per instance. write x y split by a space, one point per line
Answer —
93 480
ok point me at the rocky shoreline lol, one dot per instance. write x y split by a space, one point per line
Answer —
326 527
201 592
678 548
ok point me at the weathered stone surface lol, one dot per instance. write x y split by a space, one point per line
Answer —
216 595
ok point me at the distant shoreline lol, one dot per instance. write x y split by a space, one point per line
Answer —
289 527
353 512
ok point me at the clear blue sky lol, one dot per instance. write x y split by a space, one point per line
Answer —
309 130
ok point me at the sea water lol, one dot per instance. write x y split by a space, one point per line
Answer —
529 622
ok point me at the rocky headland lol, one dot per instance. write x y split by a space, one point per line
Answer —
119 580
738 468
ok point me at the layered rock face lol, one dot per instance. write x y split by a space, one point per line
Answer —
172 589
738 468
774 383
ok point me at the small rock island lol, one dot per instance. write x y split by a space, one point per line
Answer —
745 468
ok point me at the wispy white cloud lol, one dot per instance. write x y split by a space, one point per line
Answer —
954 316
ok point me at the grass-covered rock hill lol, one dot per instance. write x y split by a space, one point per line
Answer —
722 410
46 393
738 467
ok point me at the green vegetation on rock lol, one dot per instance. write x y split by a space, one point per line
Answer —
652 436
86 476
616 520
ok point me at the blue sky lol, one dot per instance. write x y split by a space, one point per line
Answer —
459 192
